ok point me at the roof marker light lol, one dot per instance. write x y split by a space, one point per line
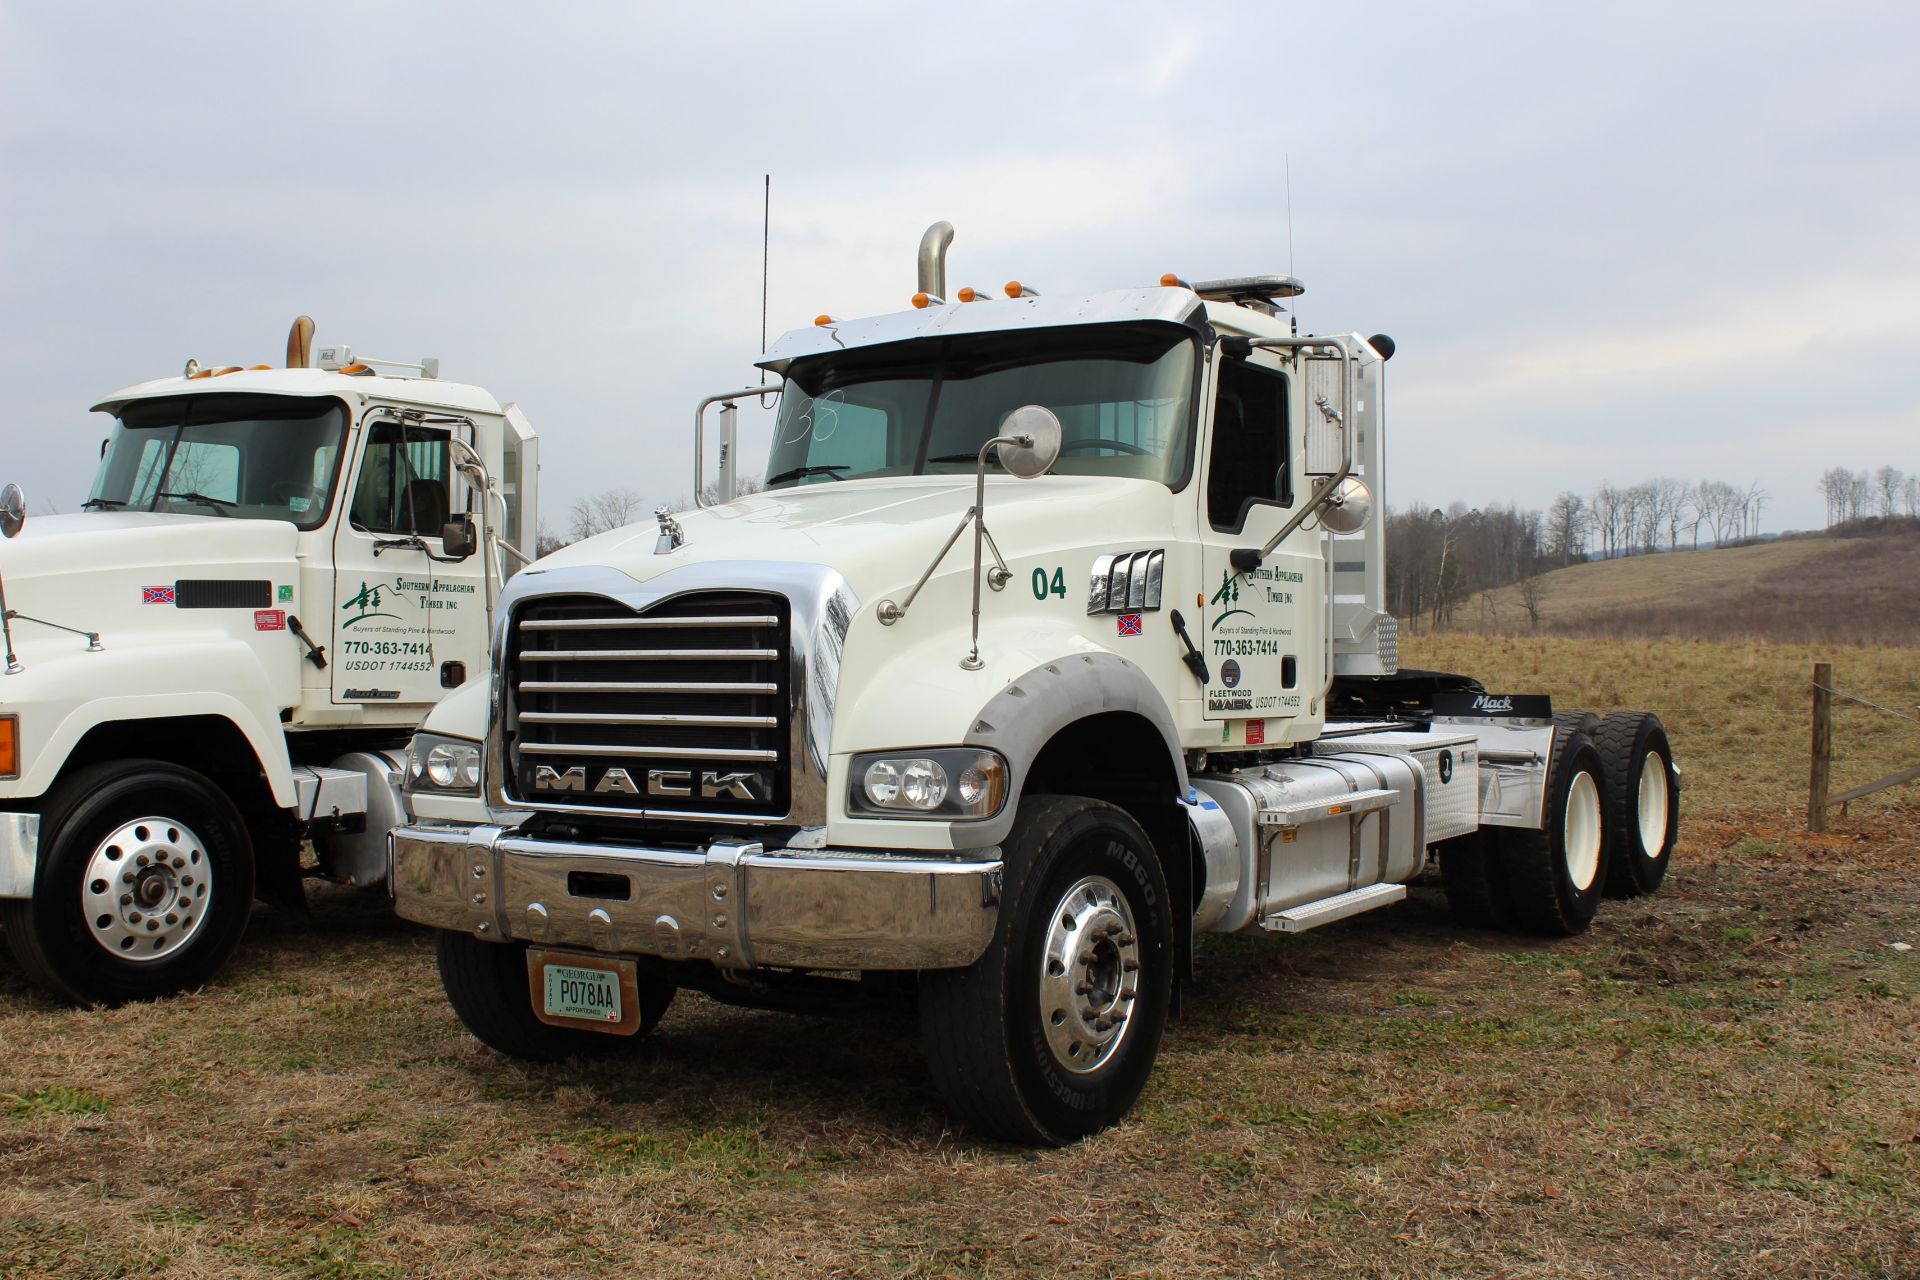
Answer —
1172 281
1017 290
921 301
822 320
970 294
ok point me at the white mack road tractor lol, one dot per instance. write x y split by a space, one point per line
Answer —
1055 639
223 654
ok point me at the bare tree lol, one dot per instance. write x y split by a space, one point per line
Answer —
1566 527
1833 491
608 509
1910 495
1887 482
1533 596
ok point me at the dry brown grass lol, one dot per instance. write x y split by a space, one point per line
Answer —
1855 590
1719 1080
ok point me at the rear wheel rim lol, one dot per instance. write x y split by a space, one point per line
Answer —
1089 975
1653 805
147 889
1580 831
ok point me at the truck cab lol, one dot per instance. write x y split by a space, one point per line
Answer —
275 574
1056 637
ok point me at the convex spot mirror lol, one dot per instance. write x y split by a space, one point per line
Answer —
457 537
1348 507
1039 424
13 510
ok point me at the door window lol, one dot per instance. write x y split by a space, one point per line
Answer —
1249 466
404 481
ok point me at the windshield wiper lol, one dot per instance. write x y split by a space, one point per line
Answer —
218 504
101 502
966 457
815 469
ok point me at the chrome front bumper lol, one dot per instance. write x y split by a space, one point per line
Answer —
737 905
19 853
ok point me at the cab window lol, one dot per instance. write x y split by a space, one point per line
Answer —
404 481
1250 445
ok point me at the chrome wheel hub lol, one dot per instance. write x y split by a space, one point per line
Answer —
1089 975
147 889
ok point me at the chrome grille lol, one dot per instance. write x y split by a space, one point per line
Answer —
681 708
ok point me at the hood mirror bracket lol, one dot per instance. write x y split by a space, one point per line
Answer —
1030 448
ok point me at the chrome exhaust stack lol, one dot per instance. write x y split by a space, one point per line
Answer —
933 261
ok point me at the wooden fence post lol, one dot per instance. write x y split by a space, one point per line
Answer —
1822 746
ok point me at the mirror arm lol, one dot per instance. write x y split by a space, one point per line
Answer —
1246 559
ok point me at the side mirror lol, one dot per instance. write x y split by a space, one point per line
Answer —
1038 424
13 510
457 537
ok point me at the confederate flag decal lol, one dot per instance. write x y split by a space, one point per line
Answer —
1129 624
156 595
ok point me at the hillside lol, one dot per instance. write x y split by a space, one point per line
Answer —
1858 590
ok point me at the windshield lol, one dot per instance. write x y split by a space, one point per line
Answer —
1123 393
250 457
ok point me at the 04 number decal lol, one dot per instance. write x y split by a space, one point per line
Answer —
1043 586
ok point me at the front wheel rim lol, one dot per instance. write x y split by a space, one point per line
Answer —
1580 832
1653 805
1089 975
147 889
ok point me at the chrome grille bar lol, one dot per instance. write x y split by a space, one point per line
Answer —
643 686
648 655
644 753
614 717
635 624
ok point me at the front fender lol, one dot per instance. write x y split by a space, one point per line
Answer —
60 702
1037 681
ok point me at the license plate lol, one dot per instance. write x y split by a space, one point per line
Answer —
592 993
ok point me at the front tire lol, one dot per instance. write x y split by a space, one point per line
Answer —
144 886
1556 875
1642 801
1051 1034
486 983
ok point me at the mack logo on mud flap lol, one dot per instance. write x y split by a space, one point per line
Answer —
1487 702
713 784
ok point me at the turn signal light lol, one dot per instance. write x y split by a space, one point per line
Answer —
9 746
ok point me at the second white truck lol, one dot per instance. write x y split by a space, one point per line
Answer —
223 654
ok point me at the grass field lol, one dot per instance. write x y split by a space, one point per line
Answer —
1854 590
1719 1080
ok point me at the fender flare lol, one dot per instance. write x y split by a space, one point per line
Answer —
1022 718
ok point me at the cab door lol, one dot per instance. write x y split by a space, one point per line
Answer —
1260 631
408 624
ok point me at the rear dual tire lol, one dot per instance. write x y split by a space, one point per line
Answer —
1556 876
1643 801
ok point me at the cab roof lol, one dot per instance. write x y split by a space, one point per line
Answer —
431 393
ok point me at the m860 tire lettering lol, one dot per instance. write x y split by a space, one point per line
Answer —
1051 1035
144 888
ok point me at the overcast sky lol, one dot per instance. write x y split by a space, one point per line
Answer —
1612 241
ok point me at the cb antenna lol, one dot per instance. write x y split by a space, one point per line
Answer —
766 244
1293 312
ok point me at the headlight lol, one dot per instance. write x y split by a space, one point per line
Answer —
436 763
941 782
